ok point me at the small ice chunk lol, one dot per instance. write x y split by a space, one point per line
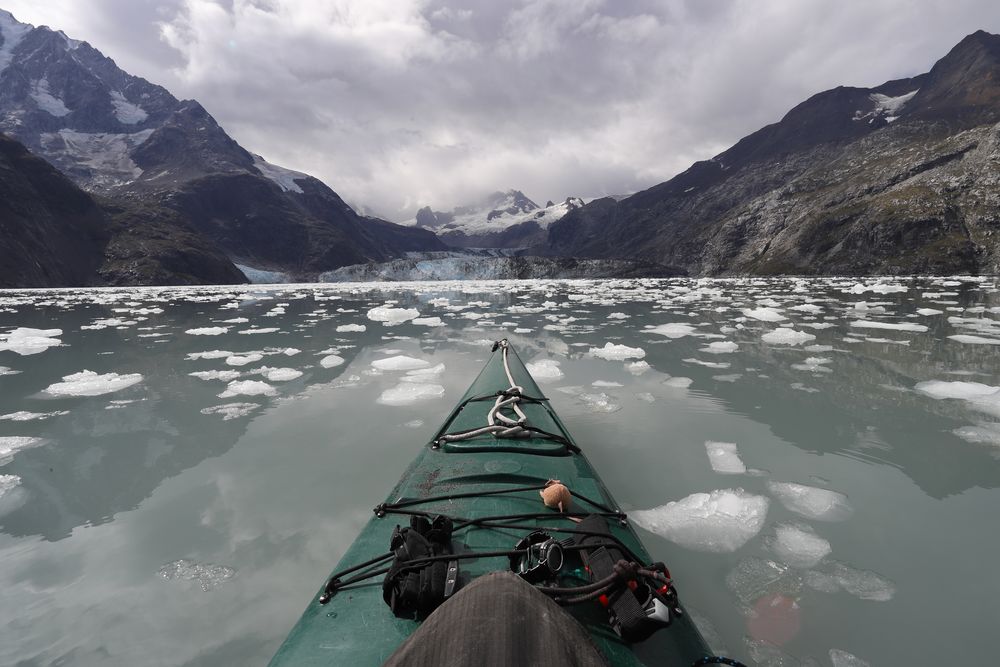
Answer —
893 326
7 370
811 502
279 374
244 359
798 545
407 393
8 483
414 423
755 578
678 382
841 658
962 390
249 332
707 364
209 576
24 416
290 351
225 376
351 328
764 314
983 434
331 361
637 367
231 410
390 316
671 330
646 397
863 584
720 347
89 383
605 383
428 321
545 370
248 388
785 336
211 354
721 521
929 311
207 331
600 402
400 363
27 341
617 316
614 352
724 457
11 444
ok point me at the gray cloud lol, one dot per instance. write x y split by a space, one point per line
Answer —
400 103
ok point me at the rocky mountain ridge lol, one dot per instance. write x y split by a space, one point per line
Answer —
898 179
123 138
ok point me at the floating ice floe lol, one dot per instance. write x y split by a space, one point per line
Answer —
211 354
617 316
331 361
279 374
841 658
207 331
677 382
428 321
390 316
814 365
23 416
7 370
984 433
208 575
347 328
637 367
248 332
671 330
720 347
798 545
600 402
893 326
863 584
765 314
8 483
646 397
27 341
89 383
248 388
231 410
969 391
724 457
613 352
11 444
244 359
400 363
407 393
929 311
707 364
545 370
225 376
811 502
974 340
721 521
605 383
785 336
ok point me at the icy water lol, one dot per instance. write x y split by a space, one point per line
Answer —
816 460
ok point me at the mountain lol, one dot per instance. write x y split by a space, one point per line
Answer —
501 220
52 233
126 139
898 179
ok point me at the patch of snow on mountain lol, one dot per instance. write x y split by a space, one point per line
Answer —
285 178
890 106
262 276
106 155
13 32
46 101
501 214
125 111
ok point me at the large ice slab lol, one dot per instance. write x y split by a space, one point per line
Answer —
27 341
798 545
724 457
721 521
89 383
811 502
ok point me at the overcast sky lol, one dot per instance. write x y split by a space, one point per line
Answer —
401 103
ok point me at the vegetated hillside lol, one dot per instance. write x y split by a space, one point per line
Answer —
127 139
898 179
53 234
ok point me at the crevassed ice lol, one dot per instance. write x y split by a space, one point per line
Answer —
545 370
721 521
811 502
400 363
724 457
89 383
407 393
614 352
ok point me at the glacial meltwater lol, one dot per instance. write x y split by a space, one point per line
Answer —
816 460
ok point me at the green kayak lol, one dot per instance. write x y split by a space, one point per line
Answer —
482 475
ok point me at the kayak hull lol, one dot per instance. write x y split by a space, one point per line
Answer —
357 628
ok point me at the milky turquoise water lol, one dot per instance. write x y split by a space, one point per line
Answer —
150 526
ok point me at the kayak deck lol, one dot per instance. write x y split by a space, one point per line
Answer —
357 628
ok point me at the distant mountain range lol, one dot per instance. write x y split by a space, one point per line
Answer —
501 220
899 179
106 178
128 141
